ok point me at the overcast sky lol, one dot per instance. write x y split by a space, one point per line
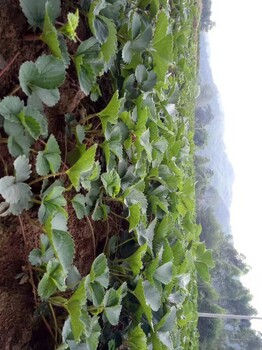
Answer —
236 60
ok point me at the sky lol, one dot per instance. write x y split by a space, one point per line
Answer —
236 61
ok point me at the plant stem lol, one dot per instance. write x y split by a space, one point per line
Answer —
118 216
41 178
15 89
36 201
55 321
9 65
31 37
111 199
3 140
28 264
49 329
93 235
88 117
128 240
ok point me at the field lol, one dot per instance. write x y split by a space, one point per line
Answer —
99 242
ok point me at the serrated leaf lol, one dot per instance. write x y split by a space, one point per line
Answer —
164 273
202 270
136 25
79 205
134 196
111 111
135 260
50 35
152 295
17 194
109 47
35 11
53 279
162 46
137 339
138 45
84 164
111 182
43 78
140 295
10 107
35 257
63 246
52 203
145 142
140 73
167 322
19 144
80 133
112 303
134 215
22 169
99 271
146 235
69 29
74 307
49 159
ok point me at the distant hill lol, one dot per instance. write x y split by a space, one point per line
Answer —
223 177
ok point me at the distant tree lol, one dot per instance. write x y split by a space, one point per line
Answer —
206 22
203 116
201 137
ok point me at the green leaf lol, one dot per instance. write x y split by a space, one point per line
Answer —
137 339
33 122
178 253
138 45
49 159
162 44
35 11
83 165
19 144
52 202
202 270
79 205
164 273
134 215
152 296
80 133
135 260
50 35
53 279
146 235
167 322
111 182
43 78
99 271
112 303
11 107
63 246
69 29
74 307
19 118
145 142
22 169
166 339
133 196
17 194
111 111
140 295
109 47
86 77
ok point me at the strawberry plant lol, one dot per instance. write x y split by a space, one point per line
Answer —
131 159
